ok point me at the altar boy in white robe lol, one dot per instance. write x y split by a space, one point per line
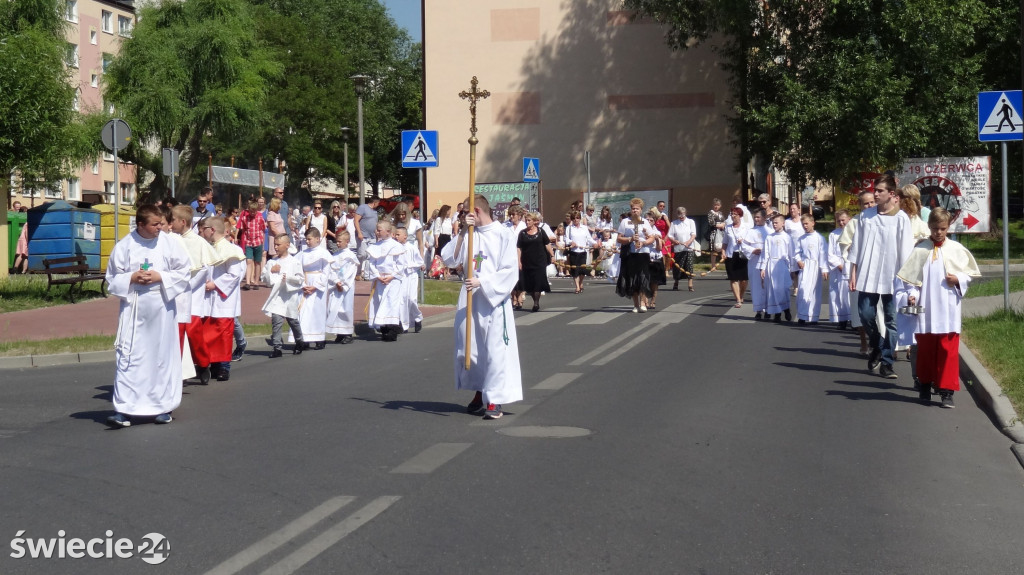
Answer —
777 262
341 294
838 278
810 258
752 248
147 270
316 262
202 258
224 287
387 311
494 372
936 276
412 263
285 277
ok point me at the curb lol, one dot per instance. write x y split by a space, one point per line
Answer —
985 389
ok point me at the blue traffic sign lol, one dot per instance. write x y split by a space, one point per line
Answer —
419 149
999 116
531 169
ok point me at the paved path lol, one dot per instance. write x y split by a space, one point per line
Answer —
99 316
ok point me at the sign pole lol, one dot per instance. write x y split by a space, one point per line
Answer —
473 95
1006 233
423 234
117 188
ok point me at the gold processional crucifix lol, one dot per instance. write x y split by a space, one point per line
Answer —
472 95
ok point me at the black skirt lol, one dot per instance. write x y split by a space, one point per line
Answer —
736 268
634 275
576 261
658 271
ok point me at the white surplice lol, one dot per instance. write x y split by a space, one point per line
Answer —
777 261
838 280
753 240
387 302
227 275
924 277
810 250
341 302
494 351
148 359
880 246
411 264
285 286
313 307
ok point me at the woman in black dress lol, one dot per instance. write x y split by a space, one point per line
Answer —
534 249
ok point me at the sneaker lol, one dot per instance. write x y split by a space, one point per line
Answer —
643 309
237 355
163 418
299 346
419 325
224 375
874 359
320 345
757 316
494 411
276 353
346 339
887 372
119 420
789 316
338 338
925 394
475 408
947 400
204 375
636 309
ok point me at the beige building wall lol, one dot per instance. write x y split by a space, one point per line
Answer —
566 77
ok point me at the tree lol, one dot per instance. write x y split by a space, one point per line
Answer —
192 72
823 89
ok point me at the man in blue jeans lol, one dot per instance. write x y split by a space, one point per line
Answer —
882 243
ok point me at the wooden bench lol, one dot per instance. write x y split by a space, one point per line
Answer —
72 271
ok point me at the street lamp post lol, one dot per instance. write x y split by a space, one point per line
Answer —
344 134
359 80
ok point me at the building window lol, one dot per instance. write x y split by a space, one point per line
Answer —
74 102
124 26
108 190
127 193
107 59
73 189
93 37
55 192
94 81
108 22
71 13
71 58
95 166
108 157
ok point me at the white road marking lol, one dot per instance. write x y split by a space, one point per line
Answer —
557 381
611 344
270 543
431 458
328 538
543 314
607 314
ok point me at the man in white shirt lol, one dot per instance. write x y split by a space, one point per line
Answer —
882 244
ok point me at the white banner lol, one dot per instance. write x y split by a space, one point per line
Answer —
961 185
240 177
618 202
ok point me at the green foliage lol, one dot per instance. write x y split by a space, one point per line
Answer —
191 71
995 339
824 89
37 134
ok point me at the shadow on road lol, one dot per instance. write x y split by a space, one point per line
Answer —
871 395
431 407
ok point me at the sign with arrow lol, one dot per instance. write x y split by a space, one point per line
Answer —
961 185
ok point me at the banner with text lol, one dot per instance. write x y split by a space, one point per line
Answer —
961 185
500 194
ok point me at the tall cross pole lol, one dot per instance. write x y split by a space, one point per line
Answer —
472 95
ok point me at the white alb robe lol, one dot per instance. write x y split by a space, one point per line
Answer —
838 280
494 351
148 359
341 302
880 246
924 278
753 240
227 275
387 302
313 307
777 261
811 251
285 286
411 263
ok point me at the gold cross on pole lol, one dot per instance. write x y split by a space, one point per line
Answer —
473 95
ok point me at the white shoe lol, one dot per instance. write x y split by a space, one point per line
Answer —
635 309
643 309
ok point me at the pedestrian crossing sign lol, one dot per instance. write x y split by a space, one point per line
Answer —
419 149
999 116
531 169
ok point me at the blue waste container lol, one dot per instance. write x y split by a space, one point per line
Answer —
59 230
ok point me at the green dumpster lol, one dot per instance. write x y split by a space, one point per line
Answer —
15 221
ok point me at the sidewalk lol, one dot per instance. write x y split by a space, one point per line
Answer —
99 316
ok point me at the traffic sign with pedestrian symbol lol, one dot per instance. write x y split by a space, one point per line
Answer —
999 116
419 149
531 169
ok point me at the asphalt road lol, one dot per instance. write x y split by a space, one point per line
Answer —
699 442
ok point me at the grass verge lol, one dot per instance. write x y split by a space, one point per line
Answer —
995 340
441 292
994 286
83 343
990 246
28 291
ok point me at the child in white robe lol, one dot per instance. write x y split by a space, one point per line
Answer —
810 258
936 276
316 262
752 248
777 262
494 371
224 286
146 271
285 277
387 311
838 277
411 263
342 294
610 256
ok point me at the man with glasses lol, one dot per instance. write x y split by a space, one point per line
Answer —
201 208
881 245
